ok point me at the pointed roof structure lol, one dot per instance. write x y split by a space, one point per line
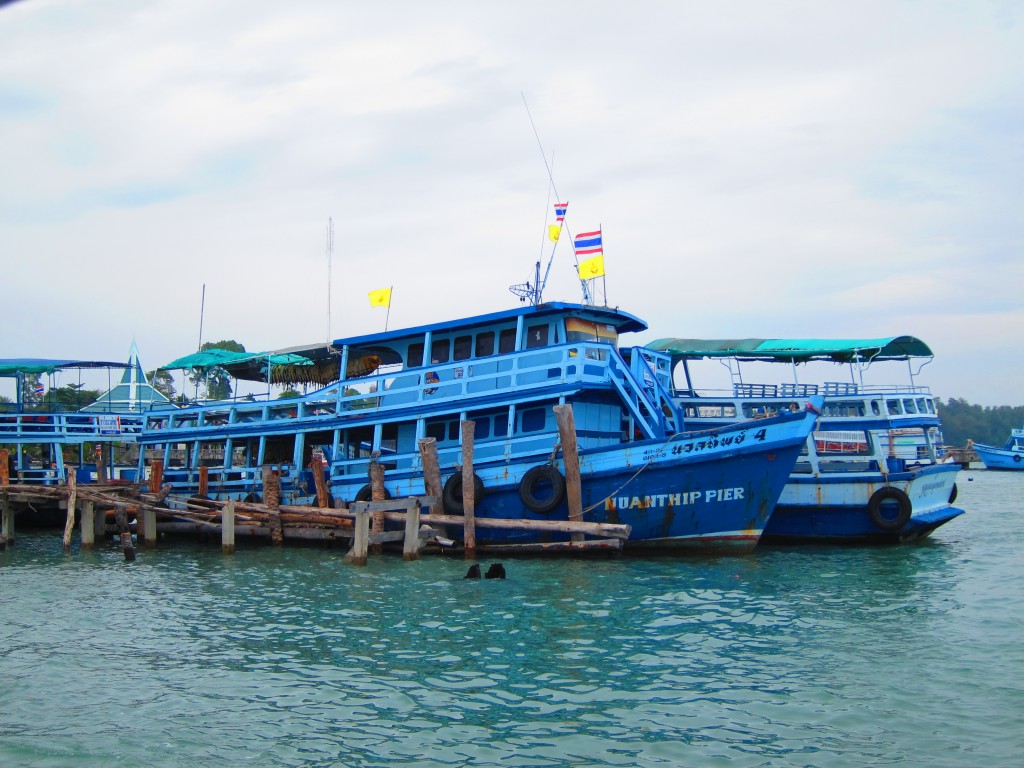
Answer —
133 395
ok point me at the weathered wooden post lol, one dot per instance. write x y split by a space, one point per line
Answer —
102 459
156 475
272 498
6 526
121 515
570 454
432 472
148 519
100 523
357 555
377 493
88 525
227 528
468 500
411 545
69 522
204 482
323 496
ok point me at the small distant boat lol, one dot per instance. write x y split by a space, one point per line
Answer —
1010 456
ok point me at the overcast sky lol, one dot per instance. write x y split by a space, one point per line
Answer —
759 169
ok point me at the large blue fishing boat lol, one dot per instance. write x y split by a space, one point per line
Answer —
871 471
378 395
1010 456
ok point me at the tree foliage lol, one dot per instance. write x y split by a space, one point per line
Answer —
162 382
216 382
991 425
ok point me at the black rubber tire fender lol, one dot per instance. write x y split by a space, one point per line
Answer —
882 495
366 493
542 475
452 493
953 493
1017 458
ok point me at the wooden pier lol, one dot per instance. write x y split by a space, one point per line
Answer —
418 523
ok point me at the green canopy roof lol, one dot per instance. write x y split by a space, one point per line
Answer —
18 365
795 350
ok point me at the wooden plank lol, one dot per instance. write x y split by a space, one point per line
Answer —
360 540
412 542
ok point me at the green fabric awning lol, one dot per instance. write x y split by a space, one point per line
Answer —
795 350
223 358
14 366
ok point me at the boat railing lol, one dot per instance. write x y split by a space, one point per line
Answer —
435 388
69 427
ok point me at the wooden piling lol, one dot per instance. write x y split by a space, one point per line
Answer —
204 481
227 529
468 500
69 522
5 468
357 555
156 475
412 543
147 531
121 515
377 493
570 454
102 459
272 498
88 525
323 497
432 472
6 520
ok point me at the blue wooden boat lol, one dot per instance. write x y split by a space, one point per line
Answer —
382 393
872 469
1009 457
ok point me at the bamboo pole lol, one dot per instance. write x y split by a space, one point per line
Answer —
69 522
571 457
468 502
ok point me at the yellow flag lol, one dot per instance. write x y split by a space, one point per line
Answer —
553 232
380 298
592 268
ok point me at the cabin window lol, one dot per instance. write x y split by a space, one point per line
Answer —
712 411
485 344
507 341
453 430
483 429
536 336
910 406
533 420
577 329
894 407
922 405
436 430
876 408
500 426
414 357
462 347
439 351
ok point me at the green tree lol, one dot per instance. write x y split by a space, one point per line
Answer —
29 383
163 382
72 397
215 381
288 392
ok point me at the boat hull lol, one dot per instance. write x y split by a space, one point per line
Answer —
837 509
1000 458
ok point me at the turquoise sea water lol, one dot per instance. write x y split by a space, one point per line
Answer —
909 656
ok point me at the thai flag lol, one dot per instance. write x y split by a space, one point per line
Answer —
588 243
560 211
39 390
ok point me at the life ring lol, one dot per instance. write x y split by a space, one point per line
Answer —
542 489
952 494
876 512
366 493
452 493
1017 458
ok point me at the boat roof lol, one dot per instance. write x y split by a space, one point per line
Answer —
14 366
622 321
319 363
796 350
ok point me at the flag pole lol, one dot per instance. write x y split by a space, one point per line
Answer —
391 294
